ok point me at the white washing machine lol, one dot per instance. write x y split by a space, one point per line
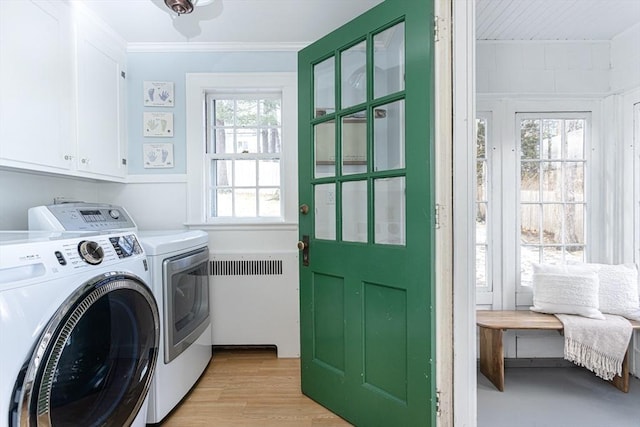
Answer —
79 330
179 265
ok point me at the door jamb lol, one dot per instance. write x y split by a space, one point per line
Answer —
464 296
443 159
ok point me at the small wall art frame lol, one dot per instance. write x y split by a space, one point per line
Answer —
158 155
158 124
158 94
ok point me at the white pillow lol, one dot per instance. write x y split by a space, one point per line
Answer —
618 292
566 290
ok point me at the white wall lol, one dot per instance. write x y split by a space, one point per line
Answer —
158 205
625 60
542 68
21 190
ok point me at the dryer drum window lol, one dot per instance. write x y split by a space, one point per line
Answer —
94 361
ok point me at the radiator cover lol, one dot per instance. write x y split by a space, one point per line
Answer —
255 301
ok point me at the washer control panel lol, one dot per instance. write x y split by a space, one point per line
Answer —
80 217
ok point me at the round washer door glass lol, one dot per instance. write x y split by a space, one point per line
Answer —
95 359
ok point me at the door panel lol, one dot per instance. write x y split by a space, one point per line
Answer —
365 143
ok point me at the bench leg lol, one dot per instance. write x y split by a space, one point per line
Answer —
622 382
492 356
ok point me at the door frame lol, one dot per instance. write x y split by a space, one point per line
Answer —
464 295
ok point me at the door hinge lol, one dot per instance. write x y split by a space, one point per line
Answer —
438 409
436 29
437 215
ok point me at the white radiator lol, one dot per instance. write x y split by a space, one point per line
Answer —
254 300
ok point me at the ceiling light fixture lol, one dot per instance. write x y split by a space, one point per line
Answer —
185 6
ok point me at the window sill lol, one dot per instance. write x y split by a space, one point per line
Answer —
245 226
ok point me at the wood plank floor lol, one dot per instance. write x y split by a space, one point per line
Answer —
250 387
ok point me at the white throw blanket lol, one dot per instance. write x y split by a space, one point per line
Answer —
598 345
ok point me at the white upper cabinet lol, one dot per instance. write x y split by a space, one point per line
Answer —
36 85
63 91
101 85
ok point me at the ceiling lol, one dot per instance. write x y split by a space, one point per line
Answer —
299 22
294 22
555 19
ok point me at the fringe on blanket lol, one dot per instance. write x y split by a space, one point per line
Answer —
606 367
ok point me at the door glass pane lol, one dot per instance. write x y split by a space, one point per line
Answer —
389 211
354 75
388 59
325 211
388 136
324 87
354 211
325 149
354 143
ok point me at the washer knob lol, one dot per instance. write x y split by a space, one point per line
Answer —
114 213
91 252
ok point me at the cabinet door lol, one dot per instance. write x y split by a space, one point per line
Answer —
101 140
36 85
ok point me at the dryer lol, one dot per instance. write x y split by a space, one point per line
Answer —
179 265
79 329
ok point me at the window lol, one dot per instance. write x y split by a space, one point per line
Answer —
241 131
532 197
483 281
244 146
552 190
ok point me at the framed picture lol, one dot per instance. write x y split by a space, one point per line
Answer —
158 124
158 94
158 155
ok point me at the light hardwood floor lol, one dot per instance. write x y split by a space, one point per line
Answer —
250 387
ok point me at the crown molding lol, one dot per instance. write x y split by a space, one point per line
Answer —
215 47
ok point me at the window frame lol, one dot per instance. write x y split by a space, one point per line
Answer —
485 294
508 294
197 87
586 202
235 156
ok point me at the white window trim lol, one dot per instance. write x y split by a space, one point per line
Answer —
197 85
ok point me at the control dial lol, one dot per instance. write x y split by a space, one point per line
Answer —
114 213
91 252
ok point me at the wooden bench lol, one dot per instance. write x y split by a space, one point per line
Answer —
491 323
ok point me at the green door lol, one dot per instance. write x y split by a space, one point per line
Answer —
367 217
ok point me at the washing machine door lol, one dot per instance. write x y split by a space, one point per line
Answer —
94 361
